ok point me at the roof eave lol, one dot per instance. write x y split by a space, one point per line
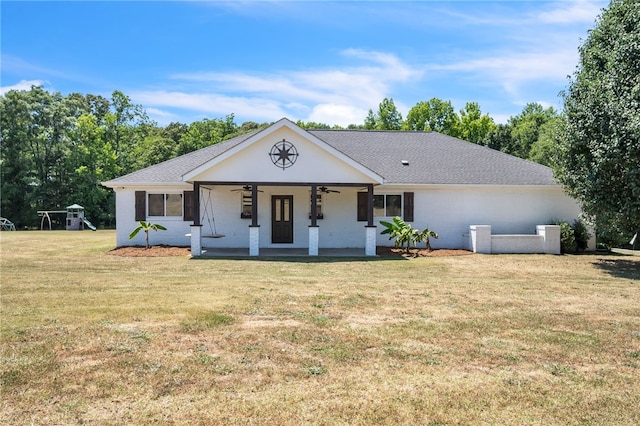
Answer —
116 184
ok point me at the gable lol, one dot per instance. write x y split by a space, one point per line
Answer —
283 153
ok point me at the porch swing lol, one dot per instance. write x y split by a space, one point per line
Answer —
211 219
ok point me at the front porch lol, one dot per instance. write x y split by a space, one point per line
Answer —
277 227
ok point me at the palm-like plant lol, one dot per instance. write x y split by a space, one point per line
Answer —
405 235
400 230
424 236
146 227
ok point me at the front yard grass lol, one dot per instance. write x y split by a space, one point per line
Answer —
88 337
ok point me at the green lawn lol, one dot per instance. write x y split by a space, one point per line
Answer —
88 337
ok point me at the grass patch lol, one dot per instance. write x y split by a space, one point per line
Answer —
87 337
205 321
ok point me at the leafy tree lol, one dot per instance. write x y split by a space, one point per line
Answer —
126 124
544 149
16 177
97 106
356 127
370 122
473 125
387 118
522 131
174 131
526 126
56 150
599 155
499 138
207 132
436 115
153 149
91 161
34 144
311 125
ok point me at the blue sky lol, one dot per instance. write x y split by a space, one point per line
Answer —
327 62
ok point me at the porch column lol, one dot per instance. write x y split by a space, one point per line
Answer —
314 205
314 237
254 229
196 204
314 230
370 205
371 229
254 205
254 240
196 241
370 245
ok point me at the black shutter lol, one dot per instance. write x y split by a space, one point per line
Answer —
188 210
408 206
362 206
141 205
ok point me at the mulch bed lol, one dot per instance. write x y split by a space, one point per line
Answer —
153 251
396 252
164 251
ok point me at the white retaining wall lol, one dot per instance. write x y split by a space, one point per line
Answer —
546 240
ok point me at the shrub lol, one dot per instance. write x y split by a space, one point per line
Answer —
581 235
573 239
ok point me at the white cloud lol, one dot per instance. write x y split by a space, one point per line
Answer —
332 95
22 85
572 12
214 104
342 115
512 70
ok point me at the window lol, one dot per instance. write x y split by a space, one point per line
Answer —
320 215
164 204
246 206
387 205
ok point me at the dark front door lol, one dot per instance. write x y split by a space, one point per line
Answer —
282 219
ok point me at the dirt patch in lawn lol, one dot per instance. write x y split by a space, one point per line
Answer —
165 251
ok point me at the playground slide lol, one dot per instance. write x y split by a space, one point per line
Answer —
89 224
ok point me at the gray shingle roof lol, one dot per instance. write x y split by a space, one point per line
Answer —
433 158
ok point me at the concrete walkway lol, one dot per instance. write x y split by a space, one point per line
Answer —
282 252
626 252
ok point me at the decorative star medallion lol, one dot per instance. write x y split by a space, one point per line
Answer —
283 154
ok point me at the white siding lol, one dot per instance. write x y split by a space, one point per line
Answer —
125 220
450 210
447 210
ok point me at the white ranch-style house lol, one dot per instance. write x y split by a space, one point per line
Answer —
286 187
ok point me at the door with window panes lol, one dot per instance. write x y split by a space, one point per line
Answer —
282 219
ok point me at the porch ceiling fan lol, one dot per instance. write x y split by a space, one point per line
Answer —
245 188
326 190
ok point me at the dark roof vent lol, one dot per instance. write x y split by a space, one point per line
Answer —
405 163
